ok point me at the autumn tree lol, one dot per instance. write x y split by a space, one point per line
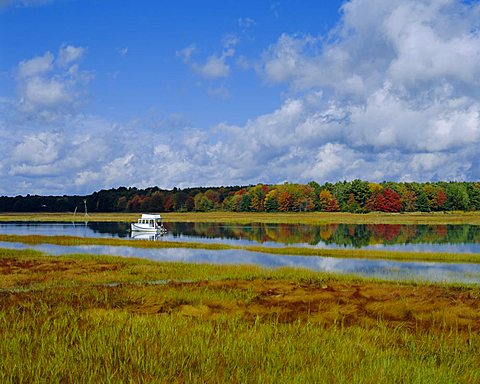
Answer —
135 204
325 197
374 188
333 205
233 203
258 197
385 201
214 196
190 204
409 200
285 199
306 198
440 199
271 202
168 203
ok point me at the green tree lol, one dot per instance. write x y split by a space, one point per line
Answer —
422 200
245 202
361 192
473 190
457 197
203 203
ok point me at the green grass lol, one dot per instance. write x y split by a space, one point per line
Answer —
226 324
58 344
263 217
298 251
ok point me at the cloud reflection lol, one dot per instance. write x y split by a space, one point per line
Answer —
383 269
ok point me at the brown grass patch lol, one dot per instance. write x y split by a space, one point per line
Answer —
25 272
80 283
417 308
414 307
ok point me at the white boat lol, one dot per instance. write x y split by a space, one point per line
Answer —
148 223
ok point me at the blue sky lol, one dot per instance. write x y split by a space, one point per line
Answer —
99 94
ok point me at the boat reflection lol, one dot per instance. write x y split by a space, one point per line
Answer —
152 236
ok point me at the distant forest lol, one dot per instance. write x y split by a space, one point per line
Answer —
345 196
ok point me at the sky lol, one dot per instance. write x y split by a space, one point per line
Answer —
102 94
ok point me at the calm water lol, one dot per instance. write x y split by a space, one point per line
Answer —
390 270
419 238
422 238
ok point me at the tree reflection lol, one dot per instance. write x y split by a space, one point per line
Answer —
360 235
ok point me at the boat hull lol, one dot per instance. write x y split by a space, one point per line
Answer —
144 228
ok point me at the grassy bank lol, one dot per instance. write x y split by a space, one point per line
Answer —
293 251
59 322
252 217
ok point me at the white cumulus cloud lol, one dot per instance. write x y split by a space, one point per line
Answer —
390 93
49 86
35 66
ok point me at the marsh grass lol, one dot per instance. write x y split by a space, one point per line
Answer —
226 324
292 251
34 270
112 346
454 217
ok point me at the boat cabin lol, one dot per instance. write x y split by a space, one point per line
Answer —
149 219
148 222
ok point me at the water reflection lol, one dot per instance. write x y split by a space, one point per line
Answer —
391 270
354 235
146 236
422 238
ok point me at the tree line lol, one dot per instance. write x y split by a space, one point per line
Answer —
355 196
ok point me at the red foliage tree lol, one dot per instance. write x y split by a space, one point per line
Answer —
440 199
333 205
168 203
385 201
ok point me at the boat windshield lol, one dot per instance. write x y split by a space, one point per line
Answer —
150 222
